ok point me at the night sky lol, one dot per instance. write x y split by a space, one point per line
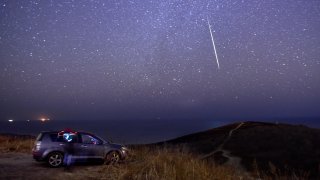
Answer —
154 59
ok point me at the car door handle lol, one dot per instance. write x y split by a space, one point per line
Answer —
61 144
84 146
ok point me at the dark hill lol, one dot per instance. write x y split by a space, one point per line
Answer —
289 148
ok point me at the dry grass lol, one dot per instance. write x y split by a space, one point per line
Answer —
274 173
164 163
159 163
15 144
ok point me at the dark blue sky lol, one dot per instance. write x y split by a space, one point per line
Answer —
154 59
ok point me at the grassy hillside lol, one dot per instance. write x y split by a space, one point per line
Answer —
145 162
286 146
264 146
266 150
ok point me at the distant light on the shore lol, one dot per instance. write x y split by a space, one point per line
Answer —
10 120
44 119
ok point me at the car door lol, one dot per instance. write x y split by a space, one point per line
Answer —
90 146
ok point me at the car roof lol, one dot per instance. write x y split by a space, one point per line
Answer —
83 132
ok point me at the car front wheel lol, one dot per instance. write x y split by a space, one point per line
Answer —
112 158
55 159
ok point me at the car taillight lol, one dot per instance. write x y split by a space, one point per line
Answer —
37 146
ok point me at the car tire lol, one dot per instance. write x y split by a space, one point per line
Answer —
55 159
112 157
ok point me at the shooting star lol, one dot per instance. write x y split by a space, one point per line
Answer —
213 44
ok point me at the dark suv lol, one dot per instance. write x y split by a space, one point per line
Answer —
50 147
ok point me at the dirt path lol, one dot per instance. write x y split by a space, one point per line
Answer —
232 160
22 166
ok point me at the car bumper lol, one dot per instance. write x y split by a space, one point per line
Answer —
37 156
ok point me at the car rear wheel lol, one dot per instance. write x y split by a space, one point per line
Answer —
112 158
55 159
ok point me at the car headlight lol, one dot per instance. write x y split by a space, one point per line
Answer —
124 149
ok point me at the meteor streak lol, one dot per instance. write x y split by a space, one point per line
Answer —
213 44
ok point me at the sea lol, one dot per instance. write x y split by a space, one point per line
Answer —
136 131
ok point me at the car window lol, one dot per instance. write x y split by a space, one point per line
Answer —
69 137
39 137
88 139
55 138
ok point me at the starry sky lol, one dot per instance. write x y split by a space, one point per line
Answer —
154 59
